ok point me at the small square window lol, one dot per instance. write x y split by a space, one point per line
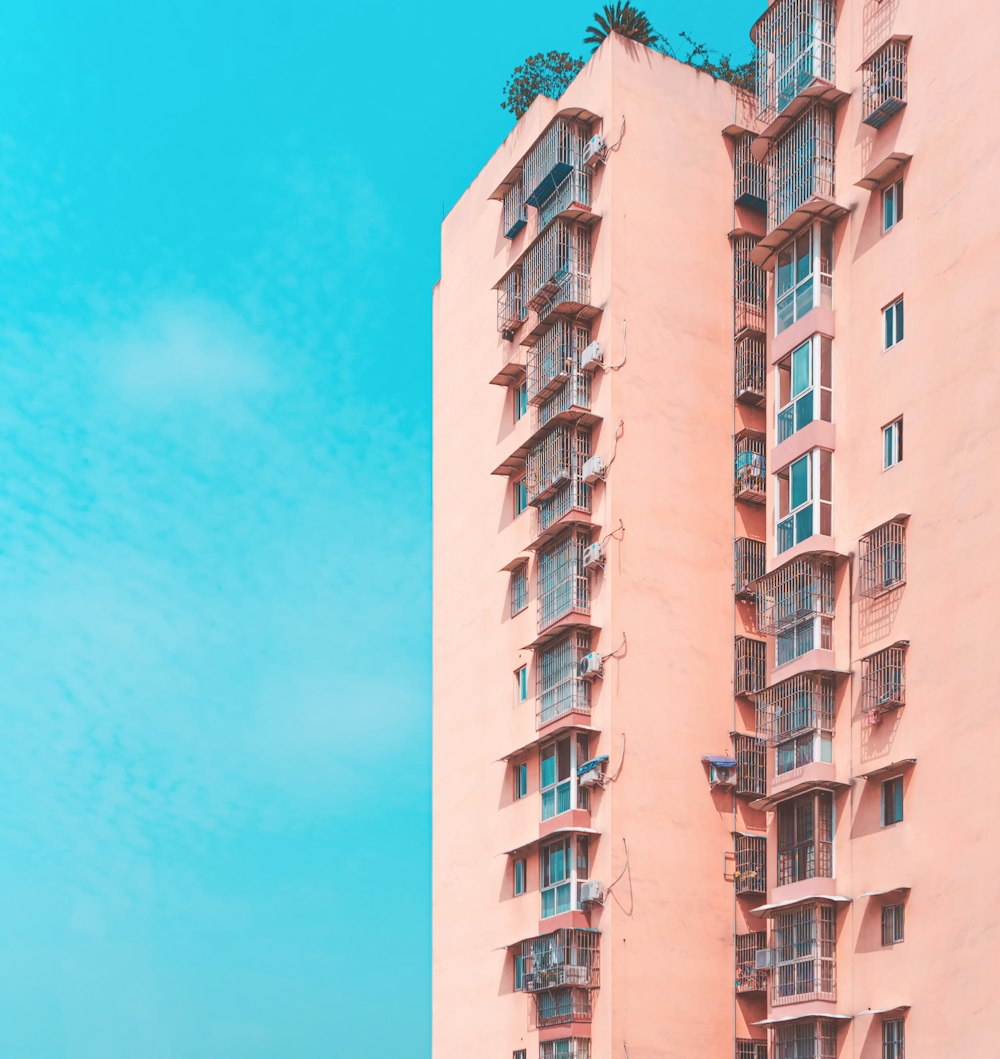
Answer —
520 496
518 589
521 780
892 801
521 683
892 924
518 979
520 877
520 401
521 1053
892 205
892 319
892 1039
892 444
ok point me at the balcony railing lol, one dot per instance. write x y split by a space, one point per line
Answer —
883 681
749 177
748 1048
882 559
555 461
750 875
568 1048
749 287
515 213
563 584
751 764
748 979
805 955
751 372
794 592
573 190
562 958
556 153
557 269
805 838
795 48
559 689
751 666
816 1038
511 311
750 471
554 358
556 1007
749 564
883 84
801 165
796 706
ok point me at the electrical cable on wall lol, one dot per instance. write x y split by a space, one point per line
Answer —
621 363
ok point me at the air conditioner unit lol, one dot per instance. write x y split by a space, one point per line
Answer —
593 152
763 959
592 357
573 975
590 666
593 778
591 892
593 470
593 555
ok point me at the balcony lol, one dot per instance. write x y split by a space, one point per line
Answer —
564 958
750 666
556 153
749 564
882 558
749 472
804 501
883 681
796 717
570 200
554 359
883 83
750 874
559 689
567 1048
748 1048
801 589
748 978
749 177
511 311
805 391
515 212
563 583
557 272
804 955
749 288
816 1038
558 1007
805 838
750 383
751 764
555 462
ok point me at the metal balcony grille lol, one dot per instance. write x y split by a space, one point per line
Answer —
795 47
749 980
883 680
794 707
746 1048
554 155
801 165
805 838
554 461
749 286
557 268
515 213
749 564
751 769
510 302
805 955
750 876
815 1039
749 471
563 585
751 373
568 1048
749 177
882 559
750 666
573 190
576 495
558 688
518 589
883 84
796 591
556 1007
562 958
554 359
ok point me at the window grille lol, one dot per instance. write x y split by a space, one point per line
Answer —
892 1039
554 155
751 768
816 1039
751 371
515 213
567 1048
563 585
750 875
554 1007
552 462
883 84
573 190
564 958
746 1048
749 286
749 980
555 358
795 47
557 267
801 165
558 687
796 717
518 589
751 664
883 680
805 955
805 838
749 470
510 302
750 182
749 562
882 559
796 591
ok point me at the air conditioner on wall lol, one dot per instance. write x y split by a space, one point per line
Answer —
593 555
591 892
590 666
593 152
763 960
592 357
593 470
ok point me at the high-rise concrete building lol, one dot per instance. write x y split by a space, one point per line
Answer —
717 438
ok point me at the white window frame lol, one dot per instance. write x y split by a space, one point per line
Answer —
792 300
568 788
892 194
520 874
804 636
893 1039
567 885
892 443
518 589
520 391
814 401
895 916
815 745
520 780
520 489
521 684
893 323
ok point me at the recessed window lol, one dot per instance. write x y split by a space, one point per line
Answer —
892 320
892 1039
521 780
520 496
520 876
520 400
521 683
518 589
892 444
521 1053
892 205
892 801
892 924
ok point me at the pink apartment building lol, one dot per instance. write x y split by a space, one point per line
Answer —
717 456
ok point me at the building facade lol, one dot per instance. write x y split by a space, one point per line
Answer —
716 418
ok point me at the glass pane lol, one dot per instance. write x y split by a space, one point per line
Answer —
562 898
804 524
562 797
888 208
548 804
786 423
784 312
887 316
899 320
887 446
801 368
804 410
804 299
557 864
803 256
784 275
786 538
799 478
548 768
548 903
563 750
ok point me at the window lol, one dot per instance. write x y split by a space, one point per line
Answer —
892 924
804 498
805 948
563 864
521 683
520 877
521 780
892 319
560 689
518 589
521 1053
520 400
558 783
892 444
892 205
520 496
795 640
806 1040
805 838
804 386
804 276
892 1039
892 801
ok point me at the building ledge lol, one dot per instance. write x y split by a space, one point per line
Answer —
818 321
575 518
574 621
901 765
818 776
567 722
884 172
815 435
816 208
818 660
819 90
819 544
563 829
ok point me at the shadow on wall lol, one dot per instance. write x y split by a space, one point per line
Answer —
879 17
877 739
877 615
868 815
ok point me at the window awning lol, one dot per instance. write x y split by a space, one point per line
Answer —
766 910
538 740
884 770
883 893
899 1009
719 762
589 766
559 832
802 1018
883 171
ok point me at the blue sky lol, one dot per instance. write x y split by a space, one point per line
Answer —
218 238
